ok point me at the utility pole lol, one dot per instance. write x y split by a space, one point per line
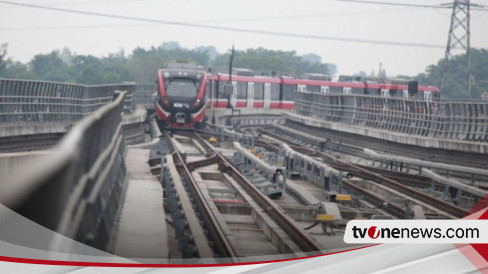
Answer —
459 37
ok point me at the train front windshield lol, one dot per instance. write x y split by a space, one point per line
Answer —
181 87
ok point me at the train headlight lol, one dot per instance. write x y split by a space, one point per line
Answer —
196 103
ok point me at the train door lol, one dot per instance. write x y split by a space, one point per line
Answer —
267 94
385 92
209 94
233 96
405 94
324 89
346 90
428 96
250 94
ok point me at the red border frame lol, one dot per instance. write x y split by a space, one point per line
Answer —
97 264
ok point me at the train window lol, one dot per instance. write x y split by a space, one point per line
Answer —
180 87
335 89
242 90
302 87
259 91
288 91
208 89
313 88
292 88
275 92
346 90
221 93
324 89
385 92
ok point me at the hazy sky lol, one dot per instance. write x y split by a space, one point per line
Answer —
30 31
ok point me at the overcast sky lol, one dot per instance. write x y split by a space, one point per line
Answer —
30 31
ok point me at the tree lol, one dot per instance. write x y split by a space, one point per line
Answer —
143 63
312 58
265 60
211 51
50 67
3 53
455 85
361 74
16 70
170 45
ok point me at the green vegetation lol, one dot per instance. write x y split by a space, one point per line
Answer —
141 65
264 60
3 52
456 83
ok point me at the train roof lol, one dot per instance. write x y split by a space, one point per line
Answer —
182 65
181 72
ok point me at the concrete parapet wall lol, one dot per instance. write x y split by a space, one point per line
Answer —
451 125
133 126
259 116
31 129
460 121
36 108
392 136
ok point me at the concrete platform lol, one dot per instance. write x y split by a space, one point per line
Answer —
140 235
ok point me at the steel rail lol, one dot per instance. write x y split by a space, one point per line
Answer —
365 174
222 243
367 195
287 224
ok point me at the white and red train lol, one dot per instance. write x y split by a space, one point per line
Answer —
181 96
188 91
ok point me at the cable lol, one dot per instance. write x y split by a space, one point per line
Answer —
204 22
193 25
473 6
79 27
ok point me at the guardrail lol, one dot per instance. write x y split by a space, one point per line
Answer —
24 101
144 95
76 189
444 120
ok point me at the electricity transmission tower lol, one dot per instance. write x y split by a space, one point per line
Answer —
459 37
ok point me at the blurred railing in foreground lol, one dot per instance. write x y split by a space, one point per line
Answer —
75 189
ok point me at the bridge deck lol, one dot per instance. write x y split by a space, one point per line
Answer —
140 235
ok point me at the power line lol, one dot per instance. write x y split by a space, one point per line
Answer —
474 6
233 29
78 27
279 17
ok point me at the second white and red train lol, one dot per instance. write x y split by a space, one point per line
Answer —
187 91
